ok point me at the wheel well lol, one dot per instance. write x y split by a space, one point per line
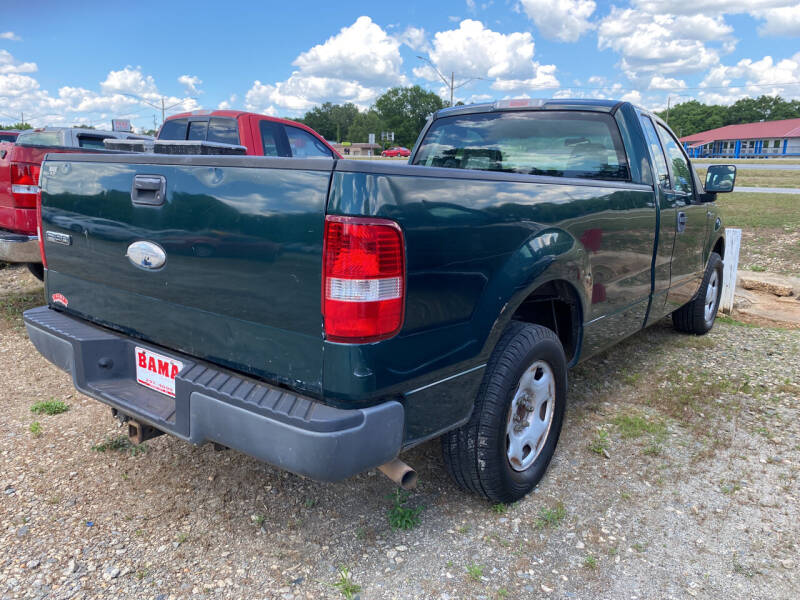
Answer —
719 247
554 305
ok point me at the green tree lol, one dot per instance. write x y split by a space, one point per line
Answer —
364 124
20 126
692 117
331 121
404 110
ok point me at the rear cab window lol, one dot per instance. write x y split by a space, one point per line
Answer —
174 129
555 143
91 141
40 138
223 130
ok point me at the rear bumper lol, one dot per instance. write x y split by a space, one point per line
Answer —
214 405
19 248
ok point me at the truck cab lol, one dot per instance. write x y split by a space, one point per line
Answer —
262 135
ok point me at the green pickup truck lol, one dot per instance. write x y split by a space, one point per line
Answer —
324 315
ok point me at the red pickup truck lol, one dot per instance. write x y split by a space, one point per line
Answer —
19 185
260 134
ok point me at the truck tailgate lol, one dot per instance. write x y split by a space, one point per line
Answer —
242 238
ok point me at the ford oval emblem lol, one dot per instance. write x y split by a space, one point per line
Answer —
146 255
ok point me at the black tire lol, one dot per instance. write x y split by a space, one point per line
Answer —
476 453
37 270
698 315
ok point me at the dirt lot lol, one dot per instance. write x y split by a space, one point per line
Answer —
676 476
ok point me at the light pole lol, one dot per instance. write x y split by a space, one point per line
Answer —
163 108
449 84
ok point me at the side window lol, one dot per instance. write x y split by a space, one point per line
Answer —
91 141
305 145
682 176
223 131
197 130
269 137
174 129
655 148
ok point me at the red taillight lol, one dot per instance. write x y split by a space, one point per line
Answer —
40 229
363 279
24 184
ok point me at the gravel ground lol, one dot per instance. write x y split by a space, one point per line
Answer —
676 476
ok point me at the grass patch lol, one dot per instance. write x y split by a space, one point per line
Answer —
500 508
35 428
13 305
590 562
731 321
50 407
120 444
551 517
760 211
401 516
600 443
475 572
345 584
635 426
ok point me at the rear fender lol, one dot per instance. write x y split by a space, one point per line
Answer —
549 255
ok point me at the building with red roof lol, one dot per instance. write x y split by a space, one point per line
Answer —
749 140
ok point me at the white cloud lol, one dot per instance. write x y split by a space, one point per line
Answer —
9 65
663 43
780 21
415 38
22 93
190 84
354 65
666 83
229 103
10 35
473 50
565 20
129 80
363 51
698 7
752 78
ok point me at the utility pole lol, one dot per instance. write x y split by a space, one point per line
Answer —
667 119
448 84
163 106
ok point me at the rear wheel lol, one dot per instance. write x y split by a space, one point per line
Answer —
37 269
699 314
505 448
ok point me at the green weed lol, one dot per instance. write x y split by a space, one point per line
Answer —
49 407
401 516
474 571
551 517
345 585
120 444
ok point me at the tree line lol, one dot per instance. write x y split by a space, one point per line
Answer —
402 110
691 117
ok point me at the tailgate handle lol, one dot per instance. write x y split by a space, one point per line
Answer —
149 190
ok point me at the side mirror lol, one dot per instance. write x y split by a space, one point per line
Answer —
720 179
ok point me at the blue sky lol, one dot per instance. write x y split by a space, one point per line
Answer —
62 63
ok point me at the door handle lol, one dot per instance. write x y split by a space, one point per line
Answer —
681 221
148 190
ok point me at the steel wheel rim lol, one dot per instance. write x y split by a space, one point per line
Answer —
711 296
530 415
